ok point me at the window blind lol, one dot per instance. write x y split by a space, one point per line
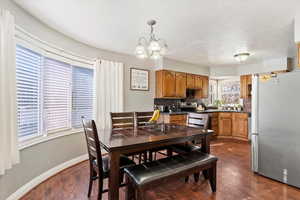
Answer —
57 95
82 95
28 74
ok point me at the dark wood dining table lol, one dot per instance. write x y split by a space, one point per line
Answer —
117 142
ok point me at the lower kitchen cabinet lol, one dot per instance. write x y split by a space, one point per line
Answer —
225 124
230 125
240 125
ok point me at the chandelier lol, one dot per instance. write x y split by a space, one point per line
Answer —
155 48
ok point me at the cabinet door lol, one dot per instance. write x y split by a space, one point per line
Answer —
198 82
190 81
240 125
243 87
205 86
181 84
225 124
169 84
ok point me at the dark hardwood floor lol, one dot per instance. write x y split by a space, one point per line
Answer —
235 182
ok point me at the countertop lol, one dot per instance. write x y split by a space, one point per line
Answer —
205 111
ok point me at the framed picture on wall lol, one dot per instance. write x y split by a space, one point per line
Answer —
139 79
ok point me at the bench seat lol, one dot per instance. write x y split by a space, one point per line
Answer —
148 174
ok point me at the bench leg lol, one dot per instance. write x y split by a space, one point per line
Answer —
129 192
196 177
141 194
213 177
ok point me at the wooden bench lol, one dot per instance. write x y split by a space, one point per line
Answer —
139 178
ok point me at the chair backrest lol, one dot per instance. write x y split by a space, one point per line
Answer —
143 117
92 141
122 120
197 120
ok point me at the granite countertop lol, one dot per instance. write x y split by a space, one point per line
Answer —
205 111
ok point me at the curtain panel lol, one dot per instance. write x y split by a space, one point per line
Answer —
9 154
109 97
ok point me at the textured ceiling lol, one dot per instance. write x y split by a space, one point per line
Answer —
197 31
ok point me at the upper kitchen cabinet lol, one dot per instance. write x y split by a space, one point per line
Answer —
246 86
165 84
205 86
190 81
180 86
198 82
170 84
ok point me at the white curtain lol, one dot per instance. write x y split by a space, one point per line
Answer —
9 153
108 78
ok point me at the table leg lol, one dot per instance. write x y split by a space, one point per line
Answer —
114 176
205 144
205 148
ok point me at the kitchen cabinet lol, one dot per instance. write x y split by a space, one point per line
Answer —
190 81
179 119
180 85
245 86
170 84
165 84
214 123
205 86
198 82
240 125
225 124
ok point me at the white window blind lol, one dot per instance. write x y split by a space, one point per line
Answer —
28 74
82 95
57 95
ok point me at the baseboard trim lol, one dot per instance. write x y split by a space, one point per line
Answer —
44 176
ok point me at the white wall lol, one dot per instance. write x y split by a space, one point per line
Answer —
184 67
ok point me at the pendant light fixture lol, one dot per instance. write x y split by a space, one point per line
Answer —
154 47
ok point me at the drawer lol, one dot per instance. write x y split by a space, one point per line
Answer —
225 115
214 114
177 117
214 121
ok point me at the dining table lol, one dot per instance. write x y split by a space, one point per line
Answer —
137 139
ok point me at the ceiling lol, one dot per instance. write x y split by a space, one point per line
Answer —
204 32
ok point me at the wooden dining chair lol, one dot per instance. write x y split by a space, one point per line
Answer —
195 120
122 120
126 120
99 165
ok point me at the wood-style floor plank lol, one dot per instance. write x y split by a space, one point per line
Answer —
235 181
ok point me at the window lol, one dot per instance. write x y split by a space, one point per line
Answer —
28 69
57 86
51 95
82 95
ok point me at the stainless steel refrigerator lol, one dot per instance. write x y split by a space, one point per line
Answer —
276 128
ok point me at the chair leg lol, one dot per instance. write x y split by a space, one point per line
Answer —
145 156
150 156
92 174
186 179
196 177
140 158
206 174
213 178
100 191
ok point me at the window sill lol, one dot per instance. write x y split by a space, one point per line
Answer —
40 139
